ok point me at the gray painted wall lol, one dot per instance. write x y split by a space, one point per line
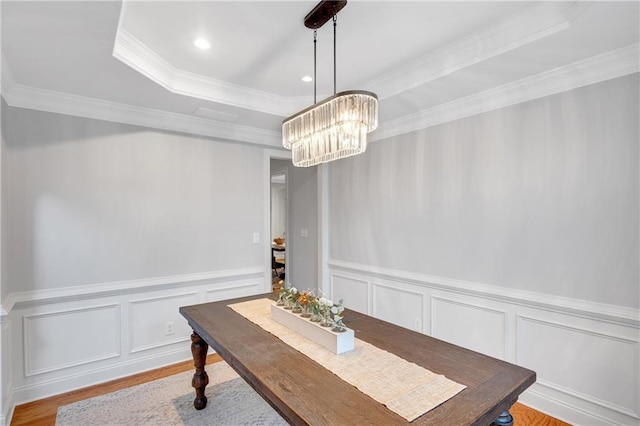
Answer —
540 196
92 202
303 211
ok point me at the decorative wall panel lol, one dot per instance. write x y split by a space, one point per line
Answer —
156 321
61 339
469 325
398 306
581 362
354 292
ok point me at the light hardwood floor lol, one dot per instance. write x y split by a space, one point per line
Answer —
43 412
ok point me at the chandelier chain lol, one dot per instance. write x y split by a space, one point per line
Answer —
315 42
335 20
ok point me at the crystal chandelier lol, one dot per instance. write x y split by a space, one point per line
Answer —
335 127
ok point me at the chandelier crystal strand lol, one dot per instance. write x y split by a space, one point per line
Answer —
334 128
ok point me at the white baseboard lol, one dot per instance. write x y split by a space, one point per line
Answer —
7 413
586 354
69 338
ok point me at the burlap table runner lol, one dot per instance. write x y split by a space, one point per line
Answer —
410 391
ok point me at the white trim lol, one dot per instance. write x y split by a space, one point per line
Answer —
617 63
476 306
268 155
6 78
532 24
539 398
141 301
573 407
43 297
131 360
576 307
8 409
367 286
323 228
584 397
232 287
80 106
27 350
50 387
132 52
617 324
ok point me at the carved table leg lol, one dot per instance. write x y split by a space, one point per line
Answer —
504 419
200 379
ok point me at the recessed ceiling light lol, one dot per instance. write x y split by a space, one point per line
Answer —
201 43
307 78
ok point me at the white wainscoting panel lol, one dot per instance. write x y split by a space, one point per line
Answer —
45 352
472 326
354 292
601 368
149 319
585 354
64 339
398 306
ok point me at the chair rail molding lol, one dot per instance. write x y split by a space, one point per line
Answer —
577 307
47 296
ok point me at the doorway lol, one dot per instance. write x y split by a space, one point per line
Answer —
279 220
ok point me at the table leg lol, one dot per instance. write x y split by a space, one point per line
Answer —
504 419
200 379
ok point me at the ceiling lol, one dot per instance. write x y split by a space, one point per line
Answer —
429 62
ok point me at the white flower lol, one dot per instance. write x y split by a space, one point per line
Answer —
294 290
329 303
322 301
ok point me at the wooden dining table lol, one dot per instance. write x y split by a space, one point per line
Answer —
305 393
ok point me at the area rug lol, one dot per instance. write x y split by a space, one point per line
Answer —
169 401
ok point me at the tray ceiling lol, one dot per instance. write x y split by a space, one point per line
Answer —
422 58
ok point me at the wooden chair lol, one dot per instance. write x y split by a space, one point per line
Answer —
277 264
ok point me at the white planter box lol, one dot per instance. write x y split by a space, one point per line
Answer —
335 342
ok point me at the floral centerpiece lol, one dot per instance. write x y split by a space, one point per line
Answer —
317 308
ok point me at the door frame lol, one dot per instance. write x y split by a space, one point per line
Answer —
275 154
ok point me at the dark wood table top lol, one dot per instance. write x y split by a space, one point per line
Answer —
304 392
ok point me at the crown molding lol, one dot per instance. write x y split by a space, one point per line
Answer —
613 64
616 63
6 78
132 52
80 106
3 313
534 23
